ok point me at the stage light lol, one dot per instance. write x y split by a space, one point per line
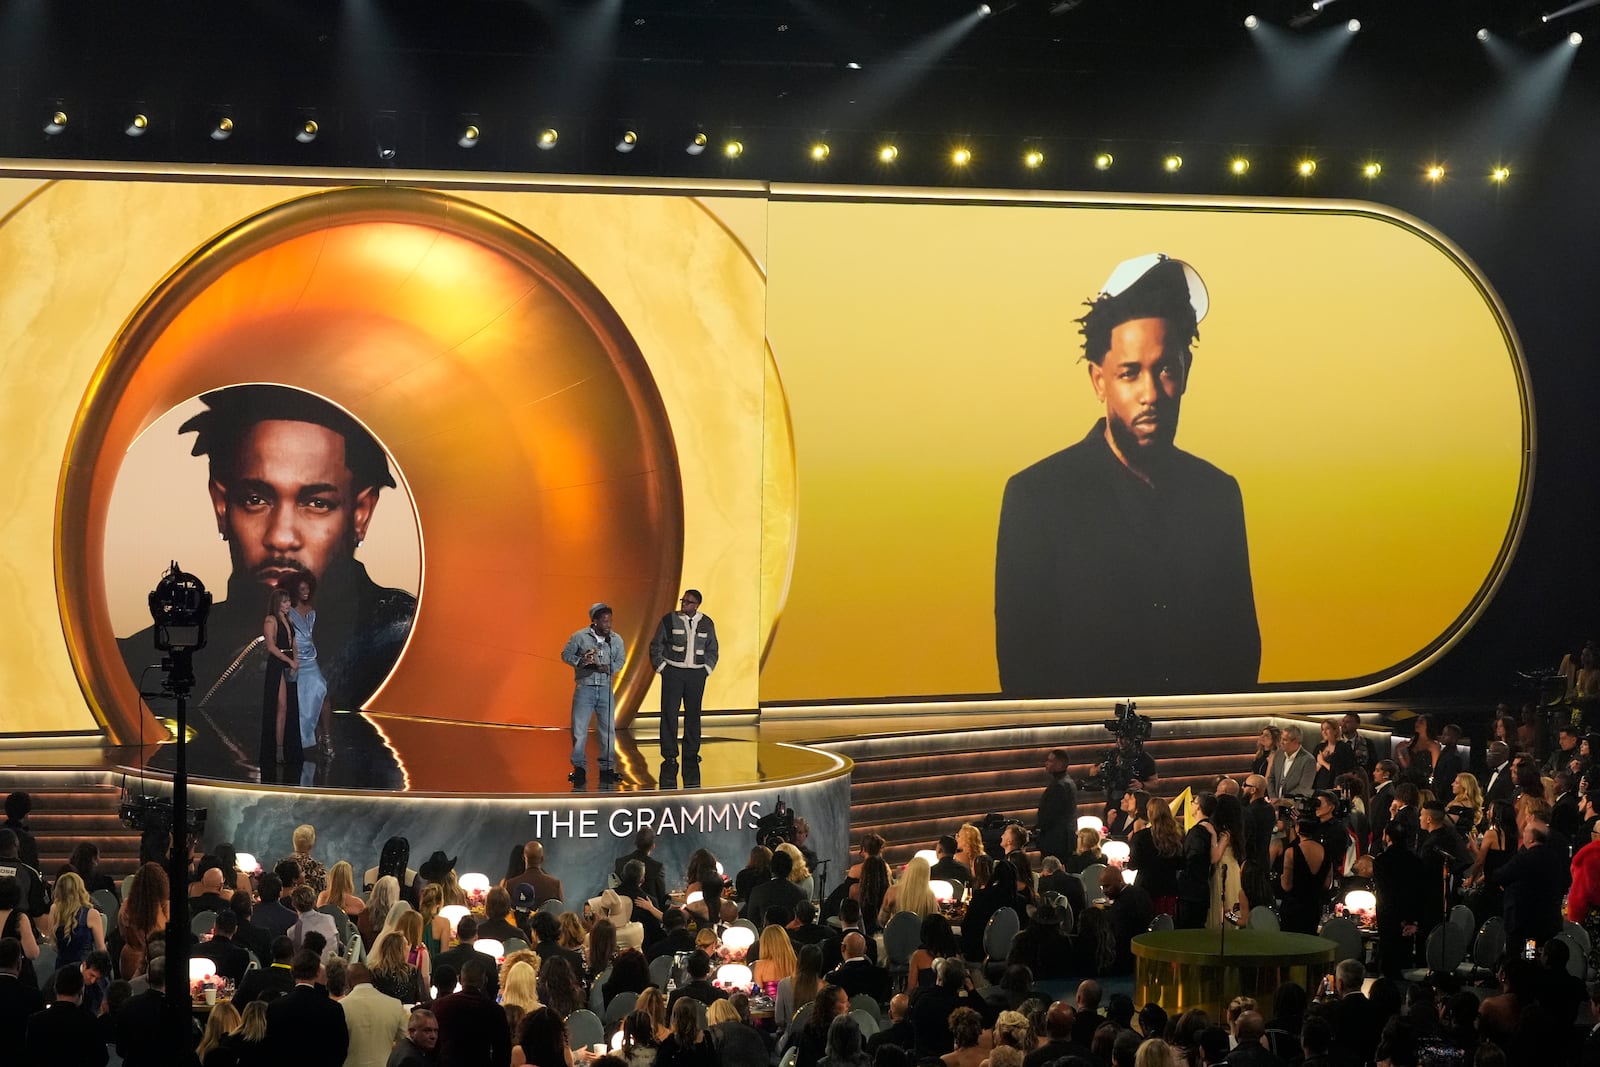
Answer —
852 66
627 141
1239 166
1172 164
928 855
308 131
1318 5
888 154
1251 22
1116 852
1033 159
469 137
984 11
1306 168
697 144
1103 161
819 152
223 129
137 125
56 123
961 157
738 938
1499 174
733 149
547 139
1483 34
1371 170
1574 38
1435 172
1354 25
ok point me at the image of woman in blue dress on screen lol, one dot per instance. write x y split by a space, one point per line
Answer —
316 711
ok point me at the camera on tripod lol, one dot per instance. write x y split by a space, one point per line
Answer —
776 827
1131 730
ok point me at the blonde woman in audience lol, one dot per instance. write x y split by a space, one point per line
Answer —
966 1030
573 935
799 874
653 1002
224 1020
315 874
706 941
247 1045
1154 1052
453 893
73 923
1088 852
393 974
911 893
1237 1007
341 891
522 955
436 932
776 960
417 954
370 923
520 987
969 845
390 924
1004 1056
1011 1030
1466 802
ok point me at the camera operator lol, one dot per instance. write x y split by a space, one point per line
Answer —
1126 768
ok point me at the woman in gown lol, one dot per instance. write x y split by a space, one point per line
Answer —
1227 859
316 714
1304 880
280 702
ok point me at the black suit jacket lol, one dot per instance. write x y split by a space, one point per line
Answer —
861 976
900 1034
231 959
455 957
1058 818
1378 815
62 1035
19 1000
269 982
1445 771
1259 822
1397 881
473 1031
1565 818
1499 787
1068 625
1535 879
142 1034
307 1027
655 876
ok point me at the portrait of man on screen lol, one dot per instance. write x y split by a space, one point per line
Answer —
293 483
1122 565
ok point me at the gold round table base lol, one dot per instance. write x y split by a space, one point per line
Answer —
1183 969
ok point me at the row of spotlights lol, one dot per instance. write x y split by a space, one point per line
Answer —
547 139
1354 26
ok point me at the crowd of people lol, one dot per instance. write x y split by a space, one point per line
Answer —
326 962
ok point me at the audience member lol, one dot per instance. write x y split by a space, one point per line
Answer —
472 1028
312 872
143 1037
776 890
375 1022
62 1033
304 1026
1252 1050
812 1039
947 867
466 949
1060 1025
699 986
142 914
856 974
1535 880
416 1048
899 1031
966 1032
688 1045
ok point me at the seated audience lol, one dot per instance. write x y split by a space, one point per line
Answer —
472 1028
858 975
416 1048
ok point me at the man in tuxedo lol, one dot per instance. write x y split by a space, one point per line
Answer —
1383 773
849 920
305 1026
1498 783
1565 817
948 868
1404 816
1131 910
931 1008
466 949
18 999
803 929
1058 809
1535 880
143 1039
270 981
699 986
232 960
63 1033
1397 882
1450 762
1566 751
775 890
247 934
1360 747
856 974
675 935
472 1029
654 883
1292 770
899 1031
1355 1021
276 914
1059 1024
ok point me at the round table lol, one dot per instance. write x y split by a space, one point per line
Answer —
1183 969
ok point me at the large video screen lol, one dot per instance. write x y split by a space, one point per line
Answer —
907 448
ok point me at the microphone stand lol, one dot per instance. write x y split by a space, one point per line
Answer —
1222 939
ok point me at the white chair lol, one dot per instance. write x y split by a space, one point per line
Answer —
1264 918
584 1029
1462 919
866 1021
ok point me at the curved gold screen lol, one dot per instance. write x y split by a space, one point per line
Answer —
513 401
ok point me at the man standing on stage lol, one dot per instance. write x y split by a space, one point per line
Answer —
684 652
595 654
1058 808
1121 564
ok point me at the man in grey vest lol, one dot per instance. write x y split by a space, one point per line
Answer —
684 652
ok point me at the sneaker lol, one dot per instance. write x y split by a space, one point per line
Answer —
578 775
609 774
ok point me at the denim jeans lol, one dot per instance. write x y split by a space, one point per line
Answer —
592 701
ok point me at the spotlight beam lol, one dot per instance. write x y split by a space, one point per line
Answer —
1568 10
885 82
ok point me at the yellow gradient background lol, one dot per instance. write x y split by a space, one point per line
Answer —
1350 375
